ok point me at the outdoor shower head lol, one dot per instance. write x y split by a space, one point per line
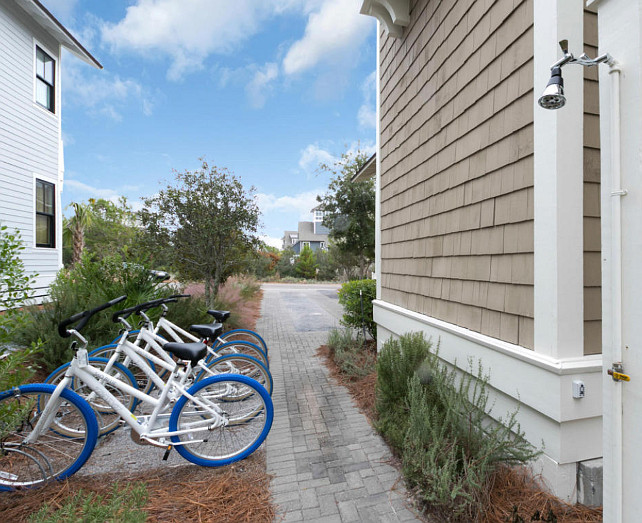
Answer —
553 96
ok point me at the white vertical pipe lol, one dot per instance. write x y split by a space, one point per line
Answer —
616 289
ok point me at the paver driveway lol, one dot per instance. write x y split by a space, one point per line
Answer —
327 462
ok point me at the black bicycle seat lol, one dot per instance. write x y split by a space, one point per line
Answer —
220 316
192 352
210 331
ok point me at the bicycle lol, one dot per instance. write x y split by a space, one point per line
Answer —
148 365
234 335
206 424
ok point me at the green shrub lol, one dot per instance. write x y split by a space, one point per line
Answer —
356 297
124 504
437 418
16 362
396 364
189 311
88 284
351 355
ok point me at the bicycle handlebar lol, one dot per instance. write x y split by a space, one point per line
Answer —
137 309
84 317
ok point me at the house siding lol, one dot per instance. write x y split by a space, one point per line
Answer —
592 240
457 166
29 137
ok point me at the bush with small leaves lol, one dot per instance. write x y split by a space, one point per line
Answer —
356 298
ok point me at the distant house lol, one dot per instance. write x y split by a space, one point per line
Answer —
31 150
313 234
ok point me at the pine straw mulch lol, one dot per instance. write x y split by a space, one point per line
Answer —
516 495
237 493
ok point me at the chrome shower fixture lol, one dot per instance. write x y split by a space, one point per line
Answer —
553 95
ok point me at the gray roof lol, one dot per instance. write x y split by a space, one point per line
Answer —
306 233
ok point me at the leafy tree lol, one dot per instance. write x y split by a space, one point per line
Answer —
327 264
207 222
350 210
264 261
306 266
284 267
74 229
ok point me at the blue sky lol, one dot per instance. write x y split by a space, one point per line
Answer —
265 88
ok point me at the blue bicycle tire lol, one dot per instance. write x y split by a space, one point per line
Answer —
102 431
267 416
249 332
240 347
90 435
270 383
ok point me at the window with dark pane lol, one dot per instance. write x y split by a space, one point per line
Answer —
45 214
45 80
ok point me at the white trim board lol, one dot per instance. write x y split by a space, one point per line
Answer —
542 387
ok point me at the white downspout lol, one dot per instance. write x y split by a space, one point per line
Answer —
616 286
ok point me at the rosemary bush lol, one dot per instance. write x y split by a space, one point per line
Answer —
351 355
437 418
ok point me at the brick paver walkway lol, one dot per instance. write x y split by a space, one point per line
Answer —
327 462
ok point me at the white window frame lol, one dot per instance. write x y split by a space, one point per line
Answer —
322 245
318 216
56 58
303 244
57 211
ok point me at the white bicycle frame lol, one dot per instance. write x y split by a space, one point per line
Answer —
142 425
141 356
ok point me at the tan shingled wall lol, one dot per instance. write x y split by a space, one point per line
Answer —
457 165
592 259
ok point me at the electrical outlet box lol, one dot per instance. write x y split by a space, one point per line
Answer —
578 389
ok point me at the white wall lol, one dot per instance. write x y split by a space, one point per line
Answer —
29 138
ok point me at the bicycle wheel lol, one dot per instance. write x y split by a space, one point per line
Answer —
240 364
240 347
245 425
143 381
51 455
244 335
108 419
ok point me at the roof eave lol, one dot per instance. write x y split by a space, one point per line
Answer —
50 23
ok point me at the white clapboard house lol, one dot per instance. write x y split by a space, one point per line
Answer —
31 150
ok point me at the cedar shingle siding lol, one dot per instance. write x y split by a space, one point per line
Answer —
592 259
457 165
457 168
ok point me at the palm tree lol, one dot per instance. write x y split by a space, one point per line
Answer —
75 226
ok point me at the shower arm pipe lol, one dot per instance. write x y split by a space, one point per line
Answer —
584 60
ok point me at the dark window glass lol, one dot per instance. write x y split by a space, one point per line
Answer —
45 80
45 214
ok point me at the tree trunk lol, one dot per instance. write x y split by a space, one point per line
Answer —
78 240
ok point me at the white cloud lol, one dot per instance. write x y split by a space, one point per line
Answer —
260 86
333 35
367 114
188 32
102 93
93 192
313 155
62 9
301 203
272 241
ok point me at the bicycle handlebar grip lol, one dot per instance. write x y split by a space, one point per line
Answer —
180 296
84 317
